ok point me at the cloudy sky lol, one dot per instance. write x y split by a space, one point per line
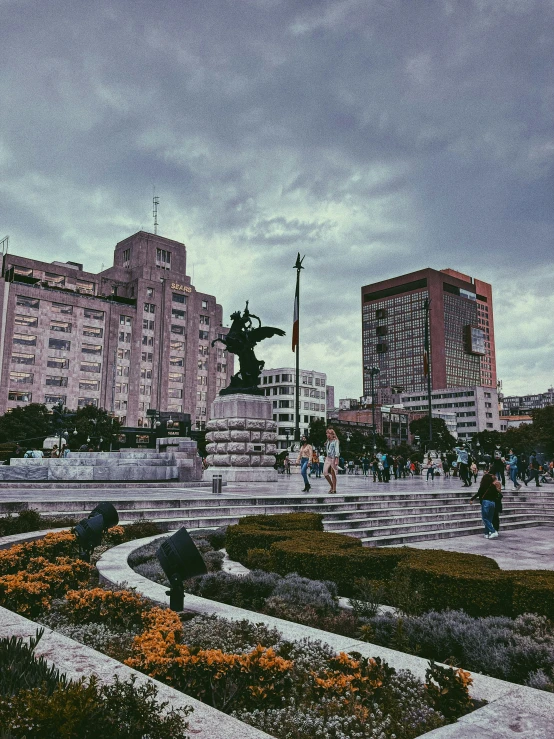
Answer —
374 136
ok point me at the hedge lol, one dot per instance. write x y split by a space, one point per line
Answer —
444 580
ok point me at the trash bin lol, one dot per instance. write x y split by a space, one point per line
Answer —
217 482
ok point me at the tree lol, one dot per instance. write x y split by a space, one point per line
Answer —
93 423
317 433
29 425
442 438
543 429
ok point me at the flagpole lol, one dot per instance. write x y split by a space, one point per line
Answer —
296 347
428 368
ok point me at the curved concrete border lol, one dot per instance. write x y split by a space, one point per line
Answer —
512 710
8 541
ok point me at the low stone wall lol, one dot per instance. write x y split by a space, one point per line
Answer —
175 458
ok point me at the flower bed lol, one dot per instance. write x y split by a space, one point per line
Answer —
293 689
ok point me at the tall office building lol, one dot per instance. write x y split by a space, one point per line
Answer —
461 331
462 360
135 336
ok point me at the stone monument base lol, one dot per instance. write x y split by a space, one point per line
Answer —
241 439
242 474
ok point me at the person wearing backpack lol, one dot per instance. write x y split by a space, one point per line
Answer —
533 470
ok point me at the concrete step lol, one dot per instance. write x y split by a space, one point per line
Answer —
389 540
351 525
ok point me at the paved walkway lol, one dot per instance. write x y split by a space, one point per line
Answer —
285 485
520 549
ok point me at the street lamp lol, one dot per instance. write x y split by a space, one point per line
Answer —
372 372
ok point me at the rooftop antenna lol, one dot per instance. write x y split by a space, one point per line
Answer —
156 202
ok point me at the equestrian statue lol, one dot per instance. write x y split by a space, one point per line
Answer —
241 339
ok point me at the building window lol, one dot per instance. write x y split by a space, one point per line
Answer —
149 292
146 374
148 340
145 389
25 378
62 308
163 259
177 329
25 339
122 371
96 315
91 348
19 358
204 305
83 286
63 326
124 320
146 356
203 335
178 298
126 257
149 308
221 367
124 354
57 363
176 377
22 301
19 396
23 271
205 320
176 362
174 392
97 333
54 280
177 346
90 366
202 364
89 384
82 402
147 325
55 399
27 321
56 381
61 345
179 314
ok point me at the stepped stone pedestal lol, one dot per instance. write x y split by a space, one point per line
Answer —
241 436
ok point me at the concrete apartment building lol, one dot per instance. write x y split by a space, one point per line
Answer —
279 385
462 358
135 336
522 405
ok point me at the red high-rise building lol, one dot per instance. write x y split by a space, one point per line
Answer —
461 334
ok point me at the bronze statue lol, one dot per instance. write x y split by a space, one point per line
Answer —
241 340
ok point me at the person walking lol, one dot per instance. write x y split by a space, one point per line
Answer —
512 462
463 466
473 470
430 469
321 463
487 495
314 467
304 458
498 465
331 460
533 470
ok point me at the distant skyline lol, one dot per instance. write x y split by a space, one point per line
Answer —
375 138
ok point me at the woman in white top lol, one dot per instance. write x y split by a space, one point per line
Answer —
331 460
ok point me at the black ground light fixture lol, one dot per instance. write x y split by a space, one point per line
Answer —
89 530
180 559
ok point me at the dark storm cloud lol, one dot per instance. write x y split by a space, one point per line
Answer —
376 138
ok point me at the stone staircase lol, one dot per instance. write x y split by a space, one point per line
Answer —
377 518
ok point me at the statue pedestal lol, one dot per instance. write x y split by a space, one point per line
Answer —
241 439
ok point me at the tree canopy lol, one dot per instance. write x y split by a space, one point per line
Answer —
442 438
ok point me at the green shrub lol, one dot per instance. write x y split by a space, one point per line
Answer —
433 579
22 670
22 523
533 592
81 710
141 529
285 521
